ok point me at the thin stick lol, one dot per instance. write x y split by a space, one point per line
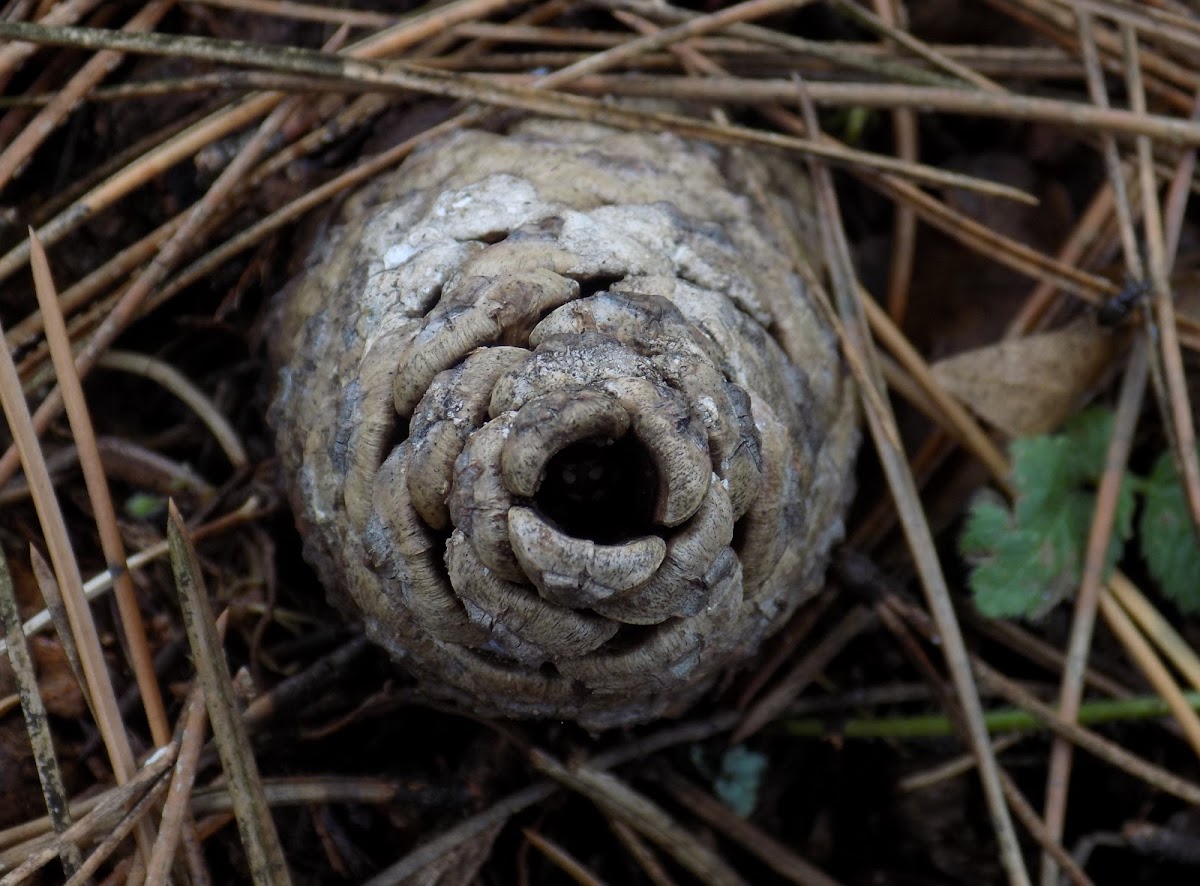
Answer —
956 766
641 853
178 384
1028 817
1085 236
70 582
1157 627
471 829
620 801
696 27
111 543
259 837
1178 194
1003 249
883 96
250 510
21 148
175 813
99 816
951 414
562 859
409 77
1156 672
779 857
1095 560
36 723
880 69
310 12
912 516
57 612
906 136
808 668
144 807
882 26
65 13
1180 416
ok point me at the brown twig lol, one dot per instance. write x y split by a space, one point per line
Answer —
778 857
99 496
1157 628
66 13
561 859
641 853
17 153
620 801
1180 418
905 135
101 815
178 384
808 668
264 853
98 682
176 816
912 516
250 510
1096 556
1156 672
306 12
408 77
36 724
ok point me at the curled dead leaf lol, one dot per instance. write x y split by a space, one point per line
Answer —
1031 385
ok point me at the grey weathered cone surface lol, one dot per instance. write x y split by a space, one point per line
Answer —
539 431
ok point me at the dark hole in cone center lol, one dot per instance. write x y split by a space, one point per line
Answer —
603 490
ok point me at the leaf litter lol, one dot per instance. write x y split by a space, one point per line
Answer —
383 776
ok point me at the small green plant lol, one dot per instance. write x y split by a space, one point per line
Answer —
1028 558
145 506
740 777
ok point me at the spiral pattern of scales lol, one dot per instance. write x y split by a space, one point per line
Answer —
542 432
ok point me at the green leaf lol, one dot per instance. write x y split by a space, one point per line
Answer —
987 521
1049 466
145 506
1168 540
1088 435
1014 580
1028 559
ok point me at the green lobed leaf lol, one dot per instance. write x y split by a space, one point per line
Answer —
1028 559
988 520
1014 580
1168 540
1088 434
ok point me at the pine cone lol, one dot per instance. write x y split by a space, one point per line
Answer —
539 433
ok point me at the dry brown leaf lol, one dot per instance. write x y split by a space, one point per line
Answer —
60 691
1030 385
